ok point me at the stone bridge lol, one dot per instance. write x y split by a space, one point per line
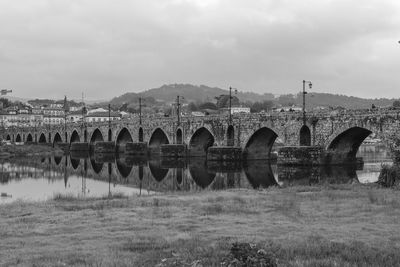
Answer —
254 135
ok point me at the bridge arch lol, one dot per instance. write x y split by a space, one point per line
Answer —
305 136
140 134
123 137
109 138
200 141
18 138
157 138
230 136
345 145
179 136
75 137
97 136
42 138
57 139
260 144
29 138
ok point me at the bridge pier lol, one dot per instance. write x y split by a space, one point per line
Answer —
63 146
173 150
224 166
303 175
104 158
341 158
224 153
301 155
79 146
104 147
136 149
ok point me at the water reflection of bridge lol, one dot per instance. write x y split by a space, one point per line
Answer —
165 174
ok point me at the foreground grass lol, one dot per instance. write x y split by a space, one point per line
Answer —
346 225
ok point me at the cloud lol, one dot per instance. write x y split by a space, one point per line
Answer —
105 48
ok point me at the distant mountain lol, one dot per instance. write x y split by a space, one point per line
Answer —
331 100
192 93
16 98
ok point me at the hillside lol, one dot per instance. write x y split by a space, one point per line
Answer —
332 100
193 93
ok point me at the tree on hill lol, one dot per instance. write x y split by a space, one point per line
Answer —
266 105
223 101
396 104
192 107
208 105
6 103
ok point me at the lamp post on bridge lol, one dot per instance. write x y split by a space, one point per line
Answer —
109 121
230 103
140 111
178 108
304 98
65 118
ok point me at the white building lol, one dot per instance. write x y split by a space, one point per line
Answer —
75 116
96 110
102 116
240 110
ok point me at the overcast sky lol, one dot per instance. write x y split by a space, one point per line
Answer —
52 48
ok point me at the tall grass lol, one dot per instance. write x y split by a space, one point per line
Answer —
390 175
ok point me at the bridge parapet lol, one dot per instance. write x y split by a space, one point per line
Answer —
245 130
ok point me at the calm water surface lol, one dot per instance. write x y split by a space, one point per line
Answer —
38 179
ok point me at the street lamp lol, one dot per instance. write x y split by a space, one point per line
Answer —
230 102
140 110
304 98
178 107
109 122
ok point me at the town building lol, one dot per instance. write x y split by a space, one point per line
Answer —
102 116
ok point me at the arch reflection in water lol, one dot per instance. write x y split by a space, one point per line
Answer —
75 161
313 175
57 160
97 167
157 171
161 175
259 174
200 174
124 169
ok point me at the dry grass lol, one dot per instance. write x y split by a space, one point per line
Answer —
351 225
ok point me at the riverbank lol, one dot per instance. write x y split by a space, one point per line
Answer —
333 225
7 151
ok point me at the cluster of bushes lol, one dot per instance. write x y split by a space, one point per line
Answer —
390 175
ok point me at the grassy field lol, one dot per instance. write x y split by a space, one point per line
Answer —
340 225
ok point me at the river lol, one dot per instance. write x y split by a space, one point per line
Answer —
38 179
